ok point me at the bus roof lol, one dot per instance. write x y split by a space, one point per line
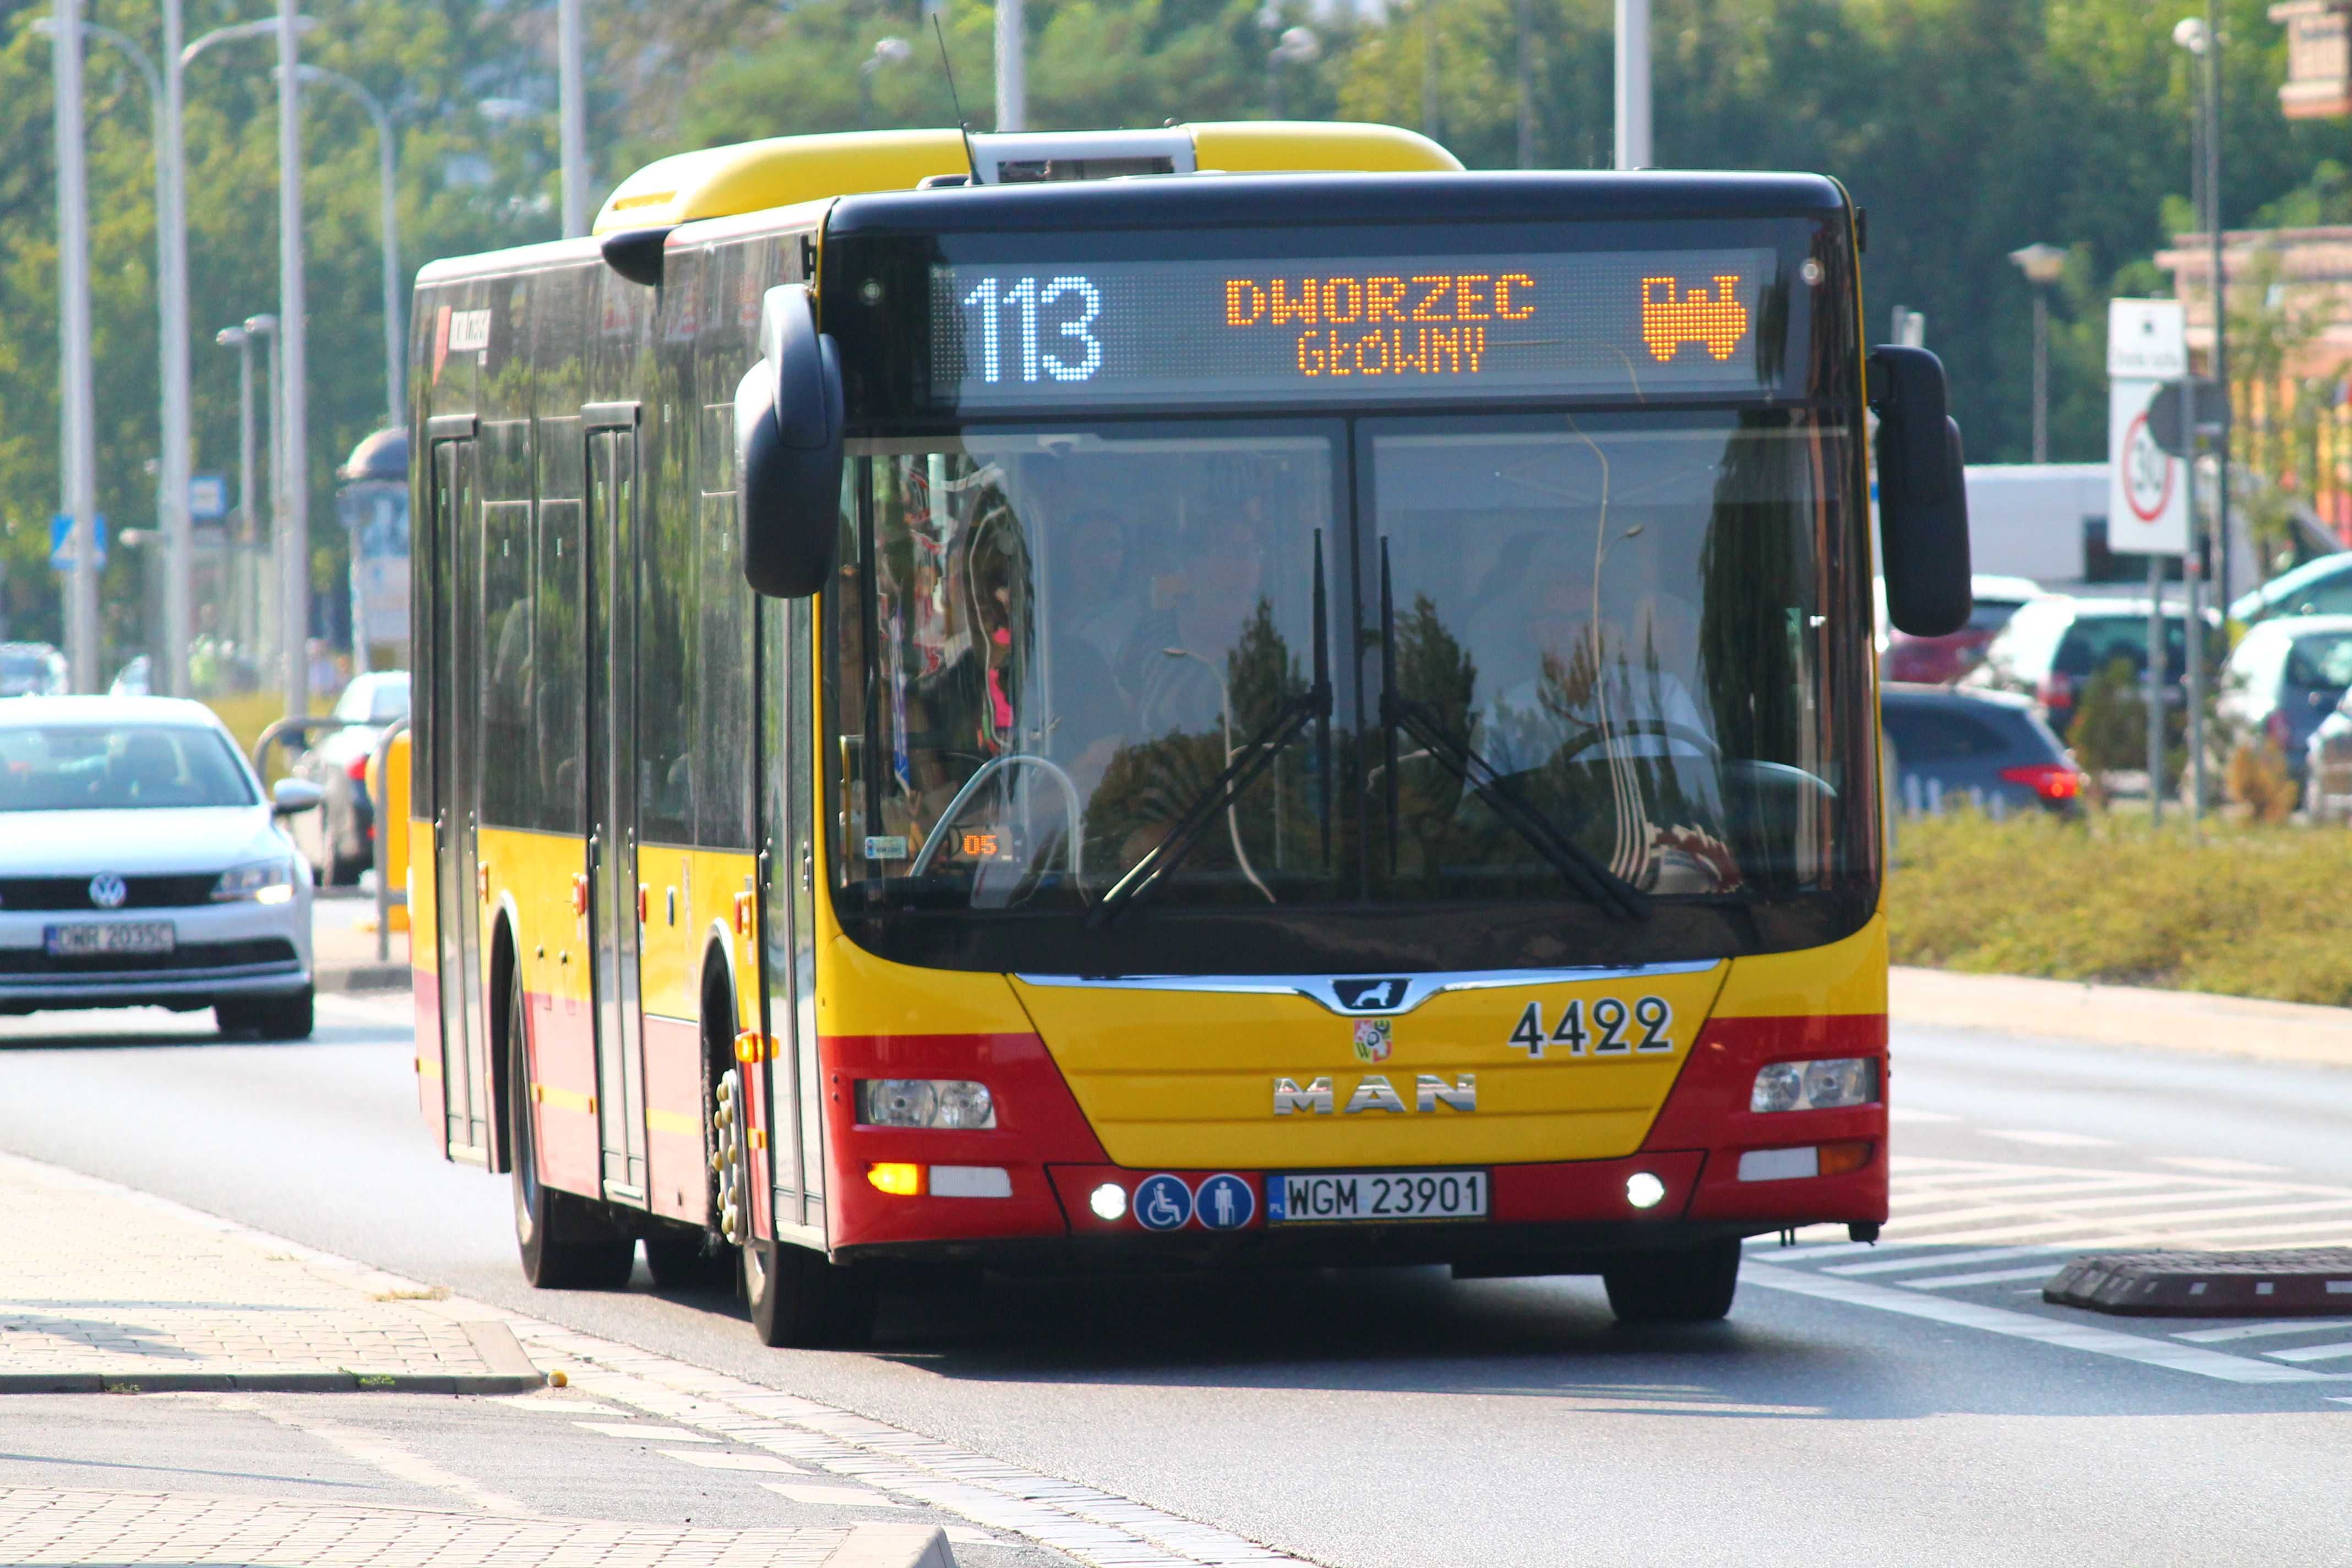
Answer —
721 181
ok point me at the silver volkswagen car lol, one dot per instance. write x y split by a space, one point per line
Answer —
141 865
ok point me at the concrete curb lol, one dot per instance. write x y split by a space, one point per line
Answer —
270 1383
360 977
893 1546
2132 1016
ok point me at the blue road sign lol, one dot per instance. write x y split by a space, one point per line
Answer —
1162 1202
1225 1202
207 497
61 531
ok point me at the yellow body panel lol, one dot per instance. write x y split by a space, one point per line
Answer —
423 929
390 783
1187 1079
751 176
1843 978
858 993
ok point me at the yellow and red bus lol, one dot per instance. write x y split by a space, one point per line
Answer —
1231 696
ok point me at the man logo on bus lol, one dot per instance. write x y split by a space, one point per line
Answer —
1371 1039
1715 323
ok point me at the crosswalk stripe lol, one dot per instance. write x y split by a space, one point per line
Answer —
1940 1259
2336 1351
1987 1276
2309 1232
2262 1330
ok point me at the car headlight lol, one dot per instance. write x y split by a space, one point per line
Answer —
1815 1086
924 1102
264 882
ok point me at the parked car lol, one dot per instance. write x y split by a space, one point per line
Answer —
339 839
32 669
2320 587
2285 677
140 864
1940 660
2327 766
1988 748
131 679
2055 644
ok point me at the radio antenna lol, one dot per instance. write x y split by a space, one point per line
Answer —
963 126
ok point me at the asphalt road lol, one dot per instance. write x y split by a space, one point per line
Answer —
1915 1402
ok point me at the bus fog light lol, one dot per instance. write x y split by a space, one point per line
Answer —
1645 1191
1815 1086
950 1102
897 1179
1109 1201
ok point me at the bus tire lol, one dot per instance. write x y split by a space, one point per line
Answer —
566 1241
1690 1285
800 1299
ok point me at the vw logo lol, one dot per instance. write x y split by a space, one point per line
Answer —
108 890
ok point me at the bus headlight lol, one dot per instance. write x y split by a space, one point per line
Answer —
953 1102
264 882
1815 1086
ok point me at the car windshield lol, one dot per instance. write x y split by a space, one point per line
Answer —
1055 650
113 767
2324 660
374 699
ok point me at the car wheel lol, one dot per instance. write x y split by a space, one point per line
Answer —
566 1242
1692 1285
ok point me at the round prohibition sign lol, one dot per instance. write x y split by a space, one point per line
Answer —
2147 472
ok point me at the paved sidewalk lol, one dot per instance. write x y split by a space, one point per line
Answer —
2122 1016
42 1526
103 1289
342 954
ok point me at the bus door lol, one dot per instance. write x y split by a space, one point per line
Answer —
611 665
452 566
787 916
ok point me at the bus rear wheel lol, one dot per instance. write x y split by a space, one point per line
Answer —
1688 1285
565 1242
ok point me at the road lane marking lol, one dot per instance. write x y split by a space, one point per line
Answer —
1913 1113
2213 1167
2052 1139
2027 1326
1990 1277
2262 1330
767 1464
832 1496
2336 1351
655 1433
387 1459
1944 1261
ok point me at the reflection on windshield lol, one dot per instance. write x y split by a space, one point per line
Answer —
116 767
1621 620
1072 638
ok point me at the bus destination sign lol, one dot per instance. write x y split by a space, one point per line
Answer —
1631 323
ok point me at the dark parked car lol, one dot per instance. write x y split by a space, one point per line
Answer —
1986 748
2285 676
2320 587
339 838
2055 644
1938 660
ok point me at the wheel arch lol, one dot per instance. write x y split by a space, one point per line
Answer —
504 971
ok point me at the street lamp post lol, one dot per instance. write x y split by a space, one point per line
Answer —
78 411
268 606
1294 46
241 610
1012 67
571 113
388 223
2201 36
293 414
888 51
1634 84
2042 265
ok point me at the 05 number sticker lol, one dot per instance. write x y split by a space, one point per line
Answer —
1609 1026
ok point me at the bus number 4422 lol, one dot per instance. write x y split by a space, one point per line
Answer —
1608 1028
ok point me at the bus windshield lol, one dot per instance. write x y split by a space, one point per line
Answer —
1568 657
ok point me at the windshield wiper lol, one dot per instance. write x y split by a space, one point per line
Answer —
1242 770
1579 867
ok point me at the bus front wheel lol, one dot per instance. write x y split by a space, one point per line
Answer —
565 1243
1688 1285
800 1299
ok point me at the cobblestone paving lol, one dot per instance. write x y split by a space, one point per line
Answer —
40 1526
106 1287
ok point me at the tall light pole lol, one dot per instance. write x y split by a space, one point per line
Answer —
268 605
889 51
1634 84
1523 25
388 223
78 411
293 417
2042 265
242 629
571 113
1295 46
1012 67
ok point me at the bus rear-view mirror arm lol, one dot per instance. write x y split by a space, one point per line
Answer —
1923 499
788 461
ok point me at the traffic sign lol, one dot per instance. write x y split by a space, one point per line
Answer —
2164 421
2147 339
207 497
60 535
2148 502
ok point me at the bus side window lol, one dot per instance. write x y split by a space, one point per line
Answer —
557 631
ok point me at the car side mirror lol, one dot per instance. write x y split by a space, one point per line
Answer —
288 796
1923 497
788 457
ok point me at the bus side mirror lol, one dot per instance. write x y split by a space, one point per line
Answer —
788 419
1923 497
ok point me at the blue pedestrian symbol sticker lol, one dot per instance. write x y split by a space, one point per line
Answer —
1162 1202
1225 1202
